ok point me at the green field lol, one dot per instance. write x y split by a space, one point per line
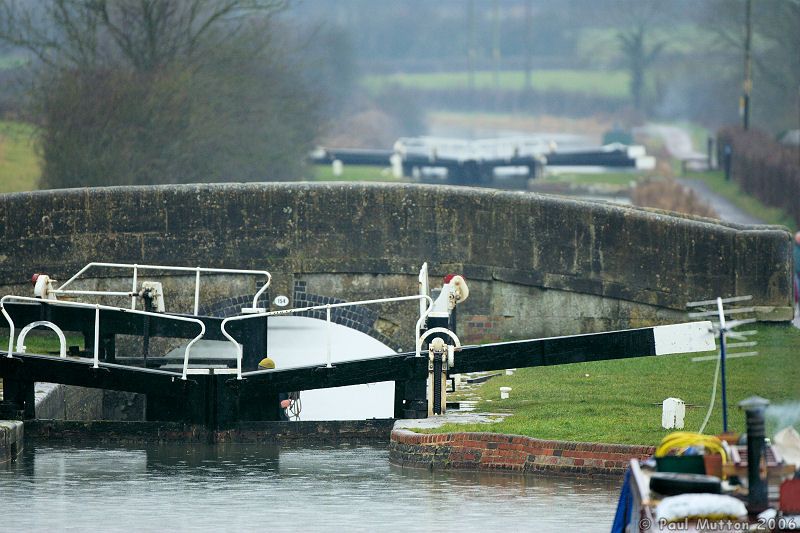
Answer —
353 173
10 61
620 401
19 166
41 341
613 83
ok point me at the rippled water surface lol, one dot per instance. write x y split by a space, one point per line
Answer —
237 487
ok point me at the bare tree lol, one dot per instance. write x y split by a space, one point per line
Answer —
635 20
163 91
146 34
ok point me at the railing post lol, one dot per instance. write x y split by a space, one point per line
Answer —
10 331
722 354
197 292
328 333
96 336
133 289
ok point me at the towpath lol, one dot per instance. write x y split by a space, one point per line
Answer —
679 144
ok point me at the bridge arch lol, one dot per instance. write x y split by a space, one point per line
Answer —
358 317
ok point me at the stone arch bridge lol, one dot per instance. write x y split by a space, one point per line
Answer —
537 265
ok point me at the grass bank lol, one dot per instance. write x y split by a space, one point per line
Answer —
39 341
19 166
620 401
42 341
751 205
353 173
613 83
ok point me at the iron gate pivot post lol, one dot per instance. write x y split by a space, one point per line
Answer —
19 399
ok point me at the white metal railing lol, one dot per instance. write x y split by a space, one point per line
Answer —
97 308
136 268
327 307
62 341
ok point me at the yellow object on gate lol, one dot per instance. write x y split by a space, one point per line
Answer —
266 364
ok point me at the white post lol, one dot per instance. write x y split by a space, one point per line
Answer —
10 353
396 162
96 336
328 334
197 292
673 411
133 290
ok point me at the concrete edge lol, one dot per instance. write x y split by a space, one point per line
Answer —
11 440
499 452
106 431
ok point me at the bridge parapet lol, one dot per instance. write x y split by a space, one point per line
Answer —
539 265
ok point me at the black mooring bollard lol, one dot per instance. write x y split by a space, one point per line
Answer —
710 152
754 407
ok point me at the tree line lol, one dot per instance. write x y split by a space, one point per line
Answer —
164 91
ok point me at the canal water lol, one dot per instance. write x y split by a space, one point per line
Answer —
240 487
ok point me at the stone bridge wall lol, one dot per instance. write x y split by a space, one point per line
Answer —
537 264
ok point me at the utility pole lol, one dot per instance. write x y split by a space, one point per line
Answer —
471 49
496 44
748 79
528 45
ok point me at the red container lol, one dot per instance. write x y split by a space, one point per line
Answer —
790 496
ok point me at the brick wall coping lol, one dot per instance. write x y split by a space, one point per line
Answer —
511 453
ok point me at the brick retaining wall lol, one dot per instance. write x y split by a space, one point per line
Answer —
512 453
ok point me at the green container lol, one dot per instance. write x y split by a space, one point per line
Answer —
685 464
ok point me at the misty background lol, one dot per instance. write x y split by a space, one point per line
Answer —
146 91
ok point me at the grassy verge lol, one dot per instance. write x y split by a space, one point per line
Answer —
731 190
12 61
19 166
620 401
353 173
612 83
42 342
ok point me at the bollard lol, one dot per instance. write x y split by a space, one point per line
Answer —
754 408
710 152
672 414
504 392
727 152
